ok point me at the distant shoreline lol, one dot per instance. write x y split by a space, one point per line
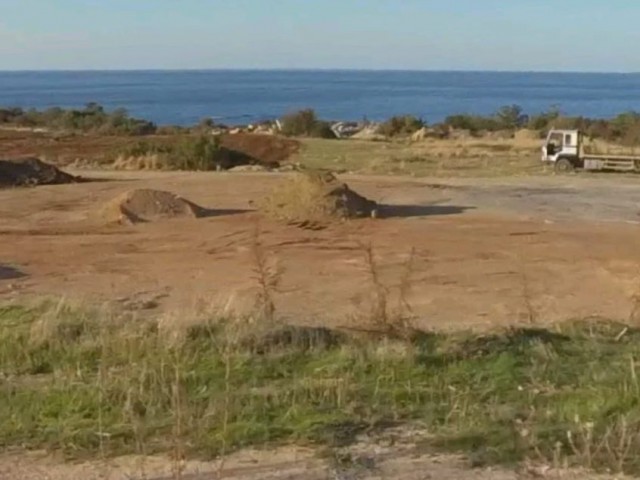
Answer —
313 70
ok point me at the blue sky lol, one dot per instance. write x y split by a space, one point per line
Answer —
548 35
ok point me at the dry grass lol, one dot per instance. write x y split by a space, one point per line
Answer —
440 158
314 199
88 383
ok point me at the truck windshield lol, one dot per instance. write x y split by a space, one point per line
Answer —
555 138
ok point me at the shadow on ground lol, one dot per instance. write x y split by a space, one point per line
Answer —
10 273
220 212
408 211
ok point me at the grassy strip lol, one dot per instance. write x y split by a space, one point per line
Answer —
442 158
86 384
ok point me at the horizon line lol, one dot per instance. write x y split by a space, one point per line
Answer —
314 69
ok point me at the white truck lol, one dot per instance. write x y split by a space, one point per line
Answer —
567 151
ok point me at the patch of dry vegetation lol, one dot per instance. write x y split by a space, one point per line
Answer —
88 383
463 157
315 198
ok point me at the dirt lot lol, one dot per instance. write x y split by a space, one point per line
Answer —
486 252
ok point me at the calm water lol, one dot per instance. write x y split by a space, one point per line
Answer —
184 97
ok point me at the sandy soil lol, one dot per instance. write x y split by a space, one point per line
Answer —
485 252
397 454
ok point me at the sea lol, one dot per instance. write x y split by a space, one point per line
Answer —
249 96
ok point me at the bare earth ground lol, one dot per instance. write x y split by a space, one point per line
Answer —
490 252
396 455
487 253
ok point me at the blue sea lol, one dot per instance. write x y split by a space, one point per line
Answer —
245 96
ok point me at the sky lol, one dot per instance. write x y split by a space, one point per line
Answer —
512 35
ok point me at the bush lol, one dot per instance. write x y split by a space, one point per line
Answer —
202 153
510 117
506 118
305 123
199 153
401 125
322 130
93 118
473 123
544 120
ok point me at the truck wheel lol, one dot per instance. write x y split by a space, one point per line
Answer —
564 165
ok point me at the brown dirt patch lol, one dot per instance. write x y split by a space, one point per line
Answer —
265 148
315 198
31 171
478 268
145 205
67 149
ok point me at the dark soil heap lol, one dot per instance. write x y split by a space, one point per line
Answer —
31 172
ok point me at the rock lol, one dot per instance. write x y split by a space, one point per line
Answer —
144 205
420 135
249 168
368 133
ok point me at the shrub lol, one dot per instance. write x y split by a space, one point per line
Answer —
93 118
199 153
322 130
305 123
299 123
544 120
510 117
506 118
401 125
473 123
202 153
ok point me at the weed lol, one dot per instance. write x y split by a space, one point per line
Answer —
392 321
267 276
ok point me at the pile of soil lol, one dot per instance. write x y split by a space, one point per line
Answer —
267 150
316 198
143 205
30 172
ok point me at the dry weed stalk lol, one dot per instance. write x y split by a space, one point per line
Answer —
393 321
177 406
267 275
531 311
634 314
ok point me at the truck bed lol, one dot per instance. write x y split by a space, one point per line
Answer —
604 157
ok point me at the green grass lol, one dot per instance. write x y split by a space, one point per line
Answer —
83 383
420 159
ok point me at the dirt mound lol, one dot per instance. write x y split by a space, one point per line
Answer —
264 148
30 172
138 206
316 198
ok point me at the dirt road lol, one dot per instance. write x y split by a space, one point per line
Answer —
397 454
485 252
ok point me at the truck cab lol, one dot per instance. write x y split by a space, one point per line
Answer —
562 149
566 150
